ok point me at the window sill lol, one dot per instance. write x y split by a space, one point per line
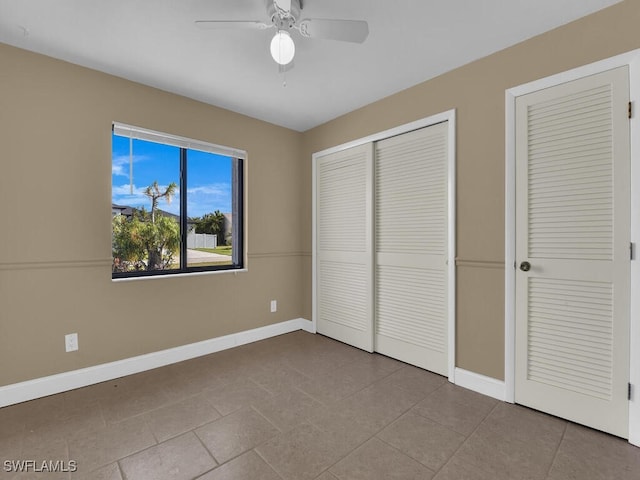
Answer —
177 275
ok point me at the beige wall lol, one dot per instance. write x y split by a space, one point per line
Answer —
55 247
55 121
477 93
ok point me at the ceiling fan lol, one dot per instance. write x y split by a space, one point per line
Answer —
284 16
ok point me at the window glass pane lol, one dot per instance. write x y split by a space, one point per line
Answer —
145 182
209 207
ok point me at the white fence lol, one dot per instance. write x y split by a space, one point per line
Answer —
202 240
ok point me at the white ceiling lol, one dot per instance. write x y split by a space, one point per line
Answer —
155 42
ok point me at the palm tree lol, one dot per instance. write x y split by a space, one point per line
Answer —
158 236
153 192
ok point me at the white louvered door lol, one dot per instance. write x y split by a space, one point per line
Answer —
572 227
411 247
344 283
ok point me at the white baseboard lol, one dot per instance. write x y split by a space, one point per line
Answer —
480 383
41 387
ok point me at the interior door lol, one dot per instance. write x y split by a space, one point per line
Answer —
344 257
411 247
572 250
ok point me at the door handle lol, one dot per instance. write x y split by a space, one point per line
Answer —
525 266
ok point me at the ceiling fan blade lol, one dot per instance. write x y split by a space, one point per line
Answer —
283 5
355 31
229 24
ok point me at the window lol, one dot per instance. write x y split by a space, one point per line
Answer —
176 203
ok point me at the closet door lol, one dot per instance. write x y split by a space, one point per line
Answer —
411 247
344 255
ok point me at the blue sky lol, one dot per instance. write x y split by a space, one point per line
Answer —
208 182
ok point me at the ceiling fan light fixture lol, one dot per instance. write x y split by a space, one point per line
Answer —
282 47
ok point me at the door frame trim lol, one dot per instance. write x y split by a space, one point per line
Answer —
632 60
447 116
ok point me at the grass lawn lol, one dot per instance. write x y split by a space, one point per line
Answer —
211 264
226 250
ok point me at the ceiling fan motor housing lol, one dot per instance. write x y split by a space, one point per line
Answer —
284 21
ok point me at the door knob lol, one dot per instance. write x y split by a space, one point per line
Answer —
525 266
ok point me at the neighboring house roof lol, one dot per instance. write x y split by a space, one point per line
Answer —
128 211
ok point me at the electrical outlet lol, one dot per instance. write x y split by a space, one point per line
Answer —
71 342
274 306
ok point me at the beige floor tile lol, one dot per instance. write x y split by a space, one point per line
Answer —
422 439
42 410
175 419
192 384
377 362
76 417
376 460
314 364
92 392
415 380
7 473
52 452
240 357
101 446
367 369
457 408
129 402
335 385
13 420
229 371
340 425
288 409
246 467
235 395
156 382
327 476
586 454
236 433
11 446
496 454
302 453
109 472
181 458
458 470
378 405
540 431
203 369
277 377
325 355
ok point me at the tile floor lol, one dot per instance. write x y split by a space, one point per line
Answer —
298 407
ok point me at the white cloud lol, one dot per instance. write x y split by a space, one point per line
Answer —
208 198
120 164
216 189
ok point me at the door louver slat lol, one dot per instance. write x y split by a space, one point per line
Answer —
342 203
565 176
561 324
411 314
344 296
